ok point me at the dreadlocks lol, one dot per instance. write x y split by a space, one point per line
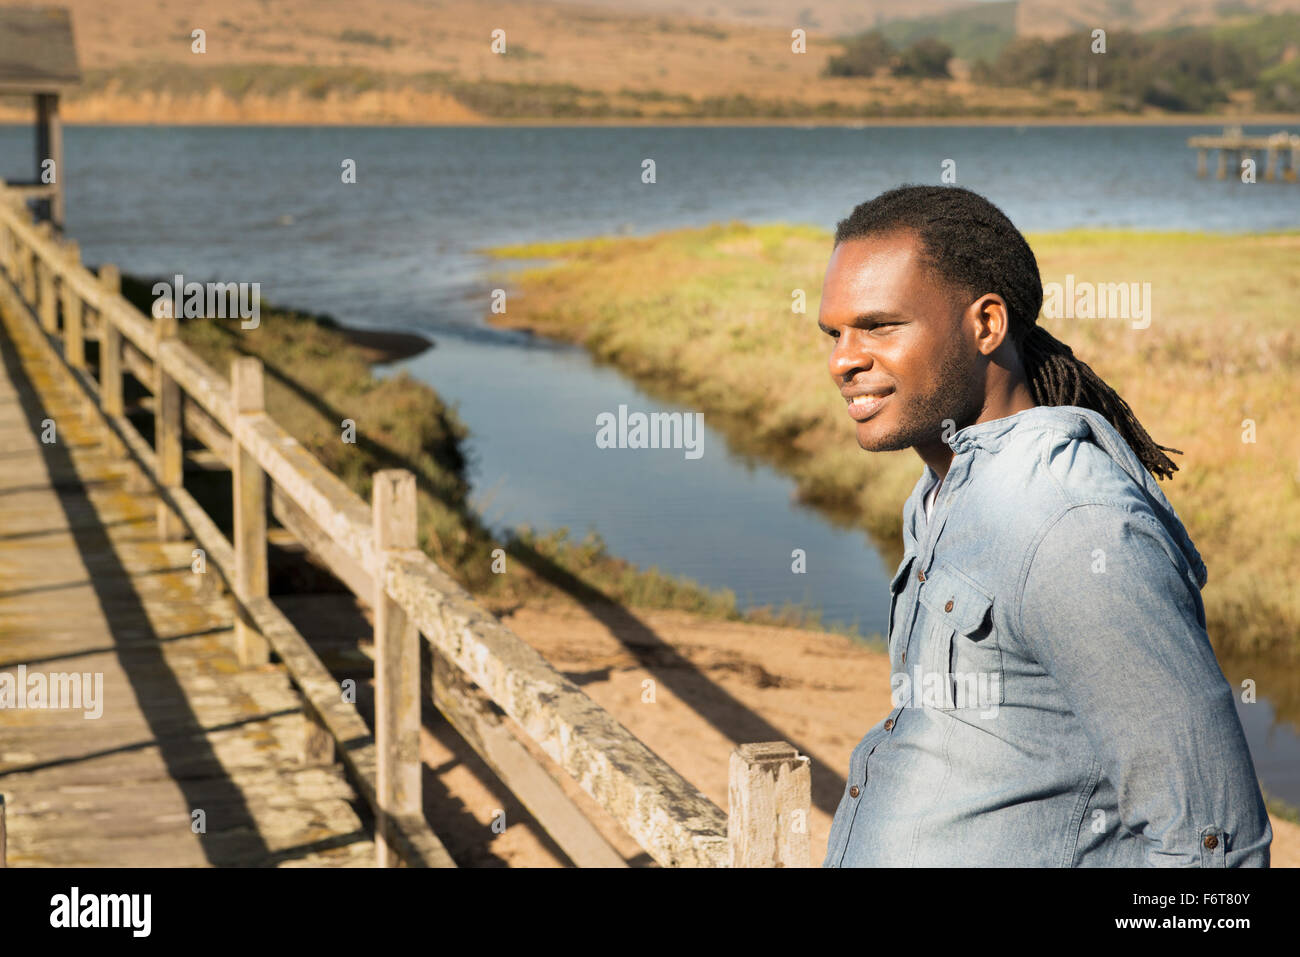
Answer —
972 244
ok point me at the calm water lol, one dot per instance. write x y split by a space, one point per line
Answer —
399 249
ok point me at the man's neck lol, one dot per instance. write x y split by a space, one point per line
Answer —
939 455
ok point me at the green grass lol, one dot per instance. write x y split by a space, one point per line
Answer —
1280 809
366 38
1263 39
492 98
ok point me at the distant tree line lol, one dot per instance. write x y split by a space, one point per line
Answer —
1190 69
871 52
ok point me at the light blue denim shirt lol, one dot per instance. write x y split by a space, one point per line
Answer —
1056 701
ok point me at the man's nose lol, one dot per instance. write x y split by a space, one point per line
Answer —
847 357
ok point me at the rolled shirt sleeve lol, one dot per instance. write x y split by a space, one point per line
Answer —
1108 613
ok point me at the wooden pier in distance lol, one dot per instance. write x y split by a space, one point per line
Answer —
1281 152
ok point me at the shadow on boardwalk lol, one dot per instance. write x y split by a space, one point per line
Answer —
88 588
731 717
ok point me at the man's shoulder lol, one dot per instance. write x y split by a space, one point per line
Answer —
1085 479
1063 465
1055 472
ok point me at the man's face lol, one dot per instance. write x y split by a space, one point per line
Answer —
898 334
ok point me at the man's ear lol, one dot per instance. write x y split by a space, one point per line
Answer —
992 322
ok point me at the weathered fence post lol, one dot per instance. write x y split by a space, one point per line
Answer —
16 262
110 347
167 428
74 332
317 742
47 304
251 582
6 240
110 361
29 273
770 795
397 667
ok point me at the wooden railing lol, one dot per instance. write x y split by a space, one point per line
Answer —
477 661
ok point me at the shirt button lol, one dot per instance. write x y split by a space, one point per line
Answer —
1211 841
948 607
920 575
889 725
854 792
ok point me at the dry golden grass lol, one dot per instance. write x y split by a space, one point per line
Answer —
1051 18
546 43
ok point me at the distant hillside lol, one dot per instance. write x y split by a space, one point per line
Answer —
432 61
1045 18
980 31
1053 18
1253 60
828 16
976 32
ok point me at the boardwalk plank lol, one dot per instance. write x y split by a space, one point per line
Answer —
86 587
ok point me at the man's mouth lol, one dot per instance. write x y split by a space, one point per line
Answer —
863 407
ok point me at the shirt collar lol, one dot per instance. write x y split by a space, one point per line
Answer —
995 433
990 435
1075 423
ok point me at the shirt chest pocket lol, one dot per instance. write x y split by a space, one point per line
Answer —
961 664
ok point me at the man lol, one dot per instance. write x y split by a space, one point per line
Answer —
1056 701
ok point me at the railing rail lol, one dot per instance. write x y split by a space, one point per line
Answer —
372 550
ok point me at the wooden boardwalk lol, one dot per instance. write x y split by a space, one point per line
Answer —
225 740
192 762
